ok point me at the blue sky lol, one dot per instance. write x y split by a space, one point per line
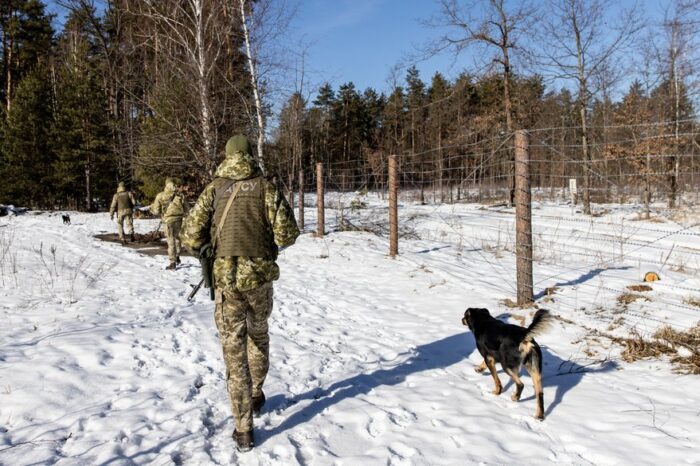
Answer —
360 40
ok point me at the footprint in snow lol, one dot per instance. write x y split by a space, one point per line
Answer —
403 418
376 426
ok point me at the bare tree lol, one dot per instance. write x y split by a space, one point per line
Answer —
192 38
495 28
577 45
677 59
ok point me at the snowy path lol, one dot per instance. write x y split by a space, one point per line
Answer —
102 362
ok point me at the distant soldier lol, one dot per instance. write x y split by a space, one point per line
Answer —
250 219
123 204
171 205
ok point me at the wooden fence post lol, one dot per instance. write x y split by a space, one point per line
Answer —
393 209
319 200
301 200
523 219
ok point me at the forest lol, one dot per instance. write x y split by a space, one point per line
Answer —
137 91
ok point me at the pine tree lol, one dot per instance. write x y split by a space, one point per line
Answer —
83 169
27 154
26 39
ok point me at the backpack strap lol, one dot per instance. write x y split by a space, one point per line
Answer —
170 202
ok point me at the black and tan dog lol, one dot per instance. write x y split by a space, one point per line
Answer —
512 346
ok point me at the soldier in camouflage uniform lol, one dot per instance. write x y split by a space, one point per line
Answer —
171 205
258 222
123 204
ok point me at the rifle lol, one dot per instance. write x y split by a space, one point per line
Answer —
195 289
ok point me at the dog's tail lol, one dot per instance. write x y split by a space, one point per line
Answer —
541 322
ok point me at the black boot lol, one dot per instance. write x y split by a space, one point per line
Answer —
244 440
258 403
177 261
133 238
172 266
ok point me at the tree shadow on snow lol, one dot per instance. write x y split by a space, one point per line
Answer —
582 279
436 355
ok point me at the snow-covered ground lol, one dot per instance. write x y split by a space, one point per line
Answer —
103 361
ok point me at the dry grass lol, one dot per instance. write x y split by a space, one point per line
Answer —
636 348
616 323
509 303
689 360
627 298
641 217
692 300
666 341
685 215
639 288
512 304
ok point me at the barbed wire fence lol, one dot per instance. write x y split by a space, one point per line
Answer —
637 169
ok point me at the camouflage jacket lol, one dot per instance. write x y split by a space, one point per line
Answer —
115 202
240 273
169 204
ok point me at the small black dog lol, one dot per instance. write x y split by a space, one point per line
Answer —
512 346
66 219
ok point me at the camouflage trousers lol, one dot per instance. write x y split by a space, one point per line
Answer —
241 318
172 236
127 218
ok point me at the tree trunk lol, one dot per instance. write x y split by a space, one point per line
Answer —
203 88
674 161
254 84
88 190
583 103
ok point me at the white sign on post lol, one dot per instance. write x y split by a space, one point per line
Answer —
573 193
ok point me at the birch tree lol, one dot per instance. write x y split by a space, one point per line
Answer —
191 39
253 81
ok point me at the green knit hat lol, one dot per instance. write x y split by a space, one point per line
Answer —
237 143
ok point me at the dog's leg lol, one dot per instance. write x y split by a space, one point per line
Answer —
518 384
481 367
537 379
491 364
534 367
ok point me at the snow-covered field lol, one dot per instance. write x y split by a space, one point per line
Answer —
103 361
